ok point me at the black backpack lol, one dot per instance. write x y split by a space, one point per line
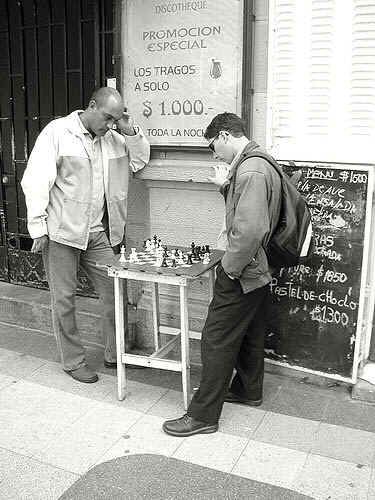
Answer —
292 241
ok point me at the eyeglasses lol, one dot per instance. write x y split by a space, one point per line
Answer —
211 143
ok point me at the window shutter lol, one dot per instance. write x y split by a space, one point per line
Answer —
321 86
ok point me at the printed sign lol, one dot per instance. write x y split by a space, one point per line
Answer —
183 66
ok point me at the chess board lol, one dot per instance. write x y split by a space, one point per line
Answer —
147 263
149 258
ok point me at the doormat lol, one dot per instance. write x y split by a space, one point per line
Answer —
157 477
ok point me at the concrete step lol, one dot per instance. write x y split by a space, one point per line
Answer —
31 308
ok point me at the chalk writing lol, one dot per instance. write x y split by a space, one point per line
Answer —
314 309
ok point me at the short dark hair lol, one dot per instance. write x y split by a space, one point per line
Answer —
226 121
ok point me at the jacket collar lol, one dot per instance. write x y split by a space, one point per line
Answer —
238 159
74 124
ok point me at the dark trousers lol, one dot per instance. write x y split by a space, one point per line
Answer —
61 263
232 337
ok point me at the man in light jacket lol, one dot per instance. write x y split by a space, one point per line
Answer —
76 189
233 335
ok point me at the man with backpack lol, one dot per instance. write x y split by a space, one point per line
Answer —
233 335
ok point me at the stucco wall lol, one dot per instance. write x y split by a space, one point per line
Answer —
173 199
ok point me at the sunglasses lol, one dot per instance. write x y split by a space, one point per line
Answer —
211 143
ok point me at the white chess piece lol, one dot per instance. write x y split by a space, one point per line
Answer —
180 260
133 257
206 258
122 254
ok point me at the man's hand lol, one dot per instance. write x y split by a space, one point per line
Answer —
221 173
126 124
39 244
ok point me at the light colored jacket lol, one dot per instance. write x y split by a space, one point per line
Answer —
58 181
252 203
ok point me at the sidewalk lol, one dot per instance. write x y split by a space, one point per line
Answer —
313 440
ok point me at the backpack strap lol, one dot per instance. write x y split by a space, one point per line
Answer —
265 156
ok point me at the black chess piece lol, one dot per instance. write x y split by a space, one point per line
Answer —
189 260
208 249
164 261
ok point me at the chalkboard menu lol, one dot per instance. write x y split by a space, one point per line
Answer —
315 308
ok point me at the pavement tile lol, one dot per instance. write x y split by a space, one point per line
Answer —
351 413
18 365
301 400
106 420
219 451
371 489
170 405
270 464
52 375
147 436
27 436
240 420
73 451
139 397
272 386
34 400
325 478
25 478
342 443
289 432
6 380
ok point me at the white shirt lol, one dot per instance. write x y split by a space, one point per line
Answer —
94 148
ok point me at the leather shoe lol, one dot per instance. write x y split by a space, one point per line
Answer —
231 397
83 374
188 426
113 364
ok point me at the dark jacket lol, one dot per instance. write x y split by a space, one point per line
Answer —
252 203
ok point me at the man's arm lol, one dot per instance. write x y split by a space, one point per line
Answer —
138 145
250 224
38 179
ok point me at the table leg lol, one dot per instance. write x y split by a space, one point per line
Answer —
120 336
185 356
155 313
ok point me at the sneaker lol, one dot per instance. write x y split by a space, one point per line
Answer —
83 374
188 426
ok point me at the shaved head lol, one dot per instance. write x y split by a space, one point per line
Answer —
105 94
104 109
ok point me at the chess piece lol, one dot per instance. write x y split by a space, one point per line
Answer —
189 259
159 260
148 245
122 254
206 258
180 260
133 257
164 261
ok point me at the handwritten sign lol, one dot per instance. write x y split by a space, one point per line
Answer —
316 307
183 65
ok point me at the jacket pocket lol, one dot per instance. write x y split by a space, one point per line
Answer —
257 266
74 220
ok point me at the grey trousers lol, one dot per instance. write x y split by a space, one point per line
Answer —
61 263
